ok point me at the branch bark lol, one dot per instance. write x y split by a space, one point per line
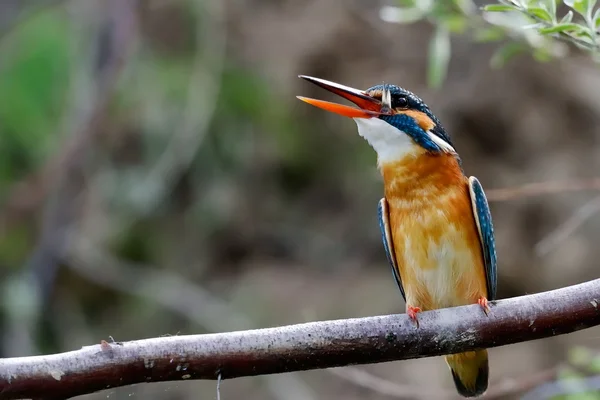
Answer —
301 347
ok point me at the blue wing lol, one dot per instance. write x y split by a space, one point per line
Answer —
388 244
483 218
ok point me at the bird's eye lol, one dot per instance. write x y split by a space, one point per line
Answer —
400 102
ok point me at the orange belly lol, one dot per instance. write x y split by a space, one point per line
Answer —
435 237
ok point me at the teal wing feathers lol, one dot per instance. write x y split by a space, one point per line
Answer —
388 244
483 219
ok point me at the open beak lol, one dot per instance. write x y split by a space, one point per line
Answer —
369 106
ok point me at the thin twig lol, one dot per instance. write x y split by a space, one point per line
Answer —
542 188
204 87
593 46
566 229
382 386
307 346
563 36
506 387
167 289
219 387
29 193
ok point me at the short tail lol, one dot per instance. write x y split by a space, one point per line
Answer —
470 372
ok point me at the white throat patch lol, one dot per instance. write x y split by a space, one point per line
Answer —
390 143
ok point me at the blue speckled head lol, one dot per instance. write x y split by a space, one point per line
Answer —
387 114
411 115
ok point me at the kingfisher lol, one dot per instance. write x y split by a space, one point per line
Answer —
435 222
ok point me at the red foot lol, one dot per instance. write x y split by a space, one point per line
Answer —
412 313
483 302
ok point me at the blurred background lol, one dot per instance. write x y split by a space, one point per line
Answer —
158 176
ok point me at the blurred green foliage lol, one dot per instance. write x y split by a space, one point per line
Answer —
584 362
34 77
148 111
33 86
526 26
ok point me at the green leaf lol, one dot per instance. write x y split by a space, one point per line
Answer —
540 13
439 57
596 18
581 6
492 34
454 23
560 28
467 7
407 3
498 8
505 53
584 33
567 18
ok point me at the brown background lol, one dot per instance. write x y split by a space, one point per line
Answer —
237 207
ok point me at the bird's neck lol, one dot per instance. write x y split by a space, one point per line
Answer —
422 176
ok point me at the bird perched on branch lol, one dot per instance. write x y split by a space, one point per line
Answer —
435 222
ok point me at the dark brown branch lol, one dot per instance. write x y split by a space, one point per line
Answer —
301 347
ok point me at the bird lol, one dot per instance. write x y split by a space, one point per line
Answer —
435 222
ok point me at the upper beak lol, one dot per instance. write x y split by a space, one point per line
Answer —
369 106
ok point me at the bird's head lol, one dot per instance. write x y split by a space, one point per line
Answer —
394 121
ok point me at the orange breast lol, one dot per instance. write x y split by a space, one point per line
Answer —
435 237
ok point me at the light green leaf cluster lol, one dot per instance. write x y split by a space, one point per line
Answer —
542 28
579 25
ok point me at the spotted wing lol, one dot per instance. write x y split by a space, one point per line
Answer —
483 218
388 244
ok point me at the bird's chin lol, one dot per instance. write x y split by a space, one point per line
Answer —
390 143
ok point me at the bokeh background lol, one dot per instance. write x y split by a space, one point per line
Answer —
158 176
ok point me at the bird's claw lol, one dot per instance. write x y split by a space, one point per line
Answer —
483 302
412 313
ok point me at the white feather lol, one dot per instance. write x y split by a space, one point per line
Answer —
390 143
386 98
445 146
